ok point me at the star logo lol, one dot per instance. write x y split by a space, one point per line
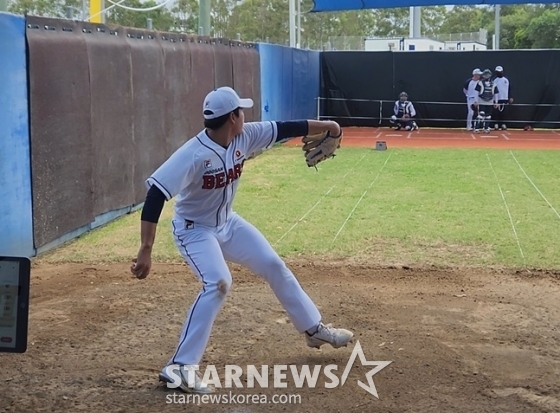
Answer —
379 365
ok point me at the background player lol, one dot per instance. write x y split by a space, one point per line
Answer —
472 96
479 117
487 98
403 113
204 174
504 98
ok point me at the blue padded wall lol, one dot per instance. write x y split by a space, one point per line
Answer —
16 223
289 82
271 82
306 83
287 75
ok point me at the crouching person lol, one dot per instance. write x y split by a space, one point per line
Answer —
404 113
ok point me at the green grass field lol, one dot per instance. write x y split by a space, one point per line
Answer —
401 206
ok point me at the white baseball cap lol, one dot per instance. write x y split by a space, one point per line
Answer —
477 71
222 101
499 69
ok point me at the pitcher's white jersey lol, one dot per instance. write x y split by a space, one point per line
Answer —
204 175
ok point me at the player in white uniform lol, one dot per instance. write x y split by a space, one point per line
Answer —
204 174
504 98
469 89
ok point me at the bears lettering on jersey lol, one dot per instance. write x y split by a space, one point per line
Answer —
222 179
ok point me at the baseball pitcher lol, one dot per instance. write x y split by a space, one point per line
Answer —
203 175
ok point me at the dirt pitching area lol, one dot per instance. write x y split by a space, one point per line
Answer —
459 340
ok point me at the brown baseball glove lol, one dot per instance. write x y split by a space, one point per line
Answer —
320 146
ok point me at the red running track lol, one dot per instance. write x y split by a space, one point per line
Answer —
449 138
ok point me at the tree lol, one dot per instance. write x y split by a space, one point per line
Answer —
186 16
513 25
392 22
467 19
46 8
259 20
522 26
161 18
337 29
544 31
220 18
432 20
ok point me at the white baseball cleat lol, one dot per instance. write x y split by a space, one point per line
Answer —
327 334
187 383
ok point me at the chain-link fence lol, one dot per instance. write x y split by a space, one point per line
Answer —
480 36
345 43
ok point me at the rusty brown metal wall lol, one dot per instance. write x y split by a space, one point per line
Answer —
148 102
203 77
223 63
179 108
109 104
246 70
60 118
112 117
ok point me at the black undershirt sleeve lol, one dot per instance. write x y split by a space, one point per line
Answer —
291 129
155 199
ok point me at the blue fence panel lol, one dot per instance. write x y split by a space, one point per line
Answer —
290 82
271 84
16 221
286 72
306 83
276 81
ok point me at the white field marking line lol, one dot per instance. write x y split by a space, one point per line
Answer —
474 137
408 136
318 202
507 209
505 136
377 136
533 140
392 135
431 138
532 183
359 200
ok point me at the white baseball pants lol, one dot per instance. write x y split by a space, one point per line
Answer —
470 112
206 250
